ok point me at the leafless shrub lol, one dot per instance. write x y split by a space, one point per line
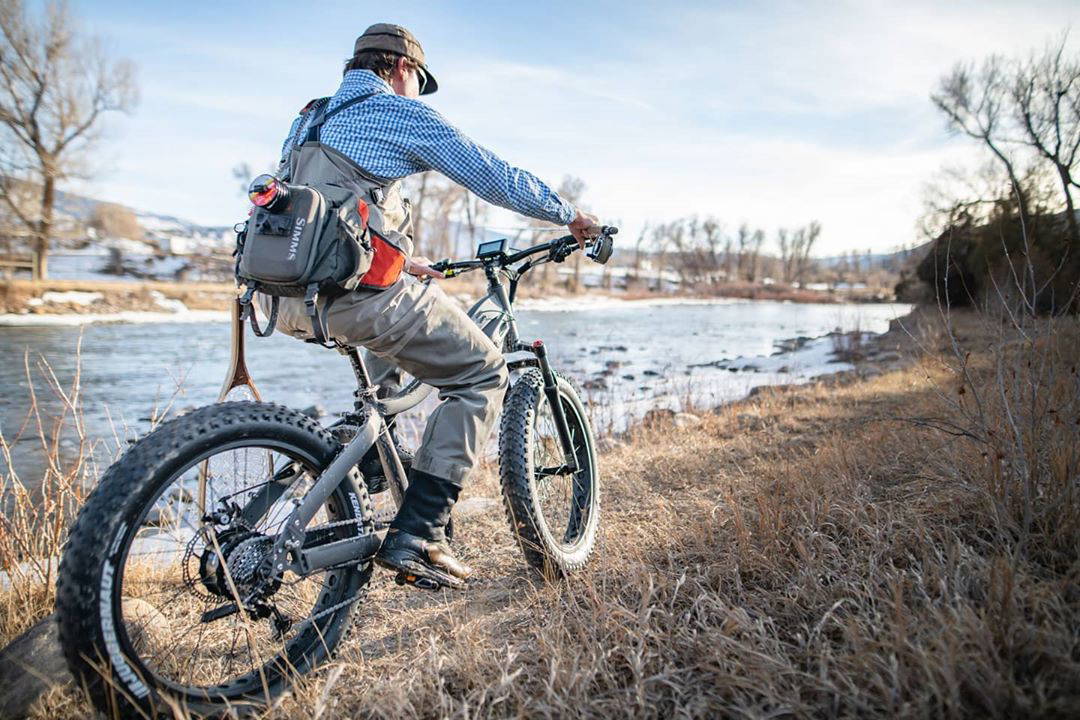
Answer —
112 220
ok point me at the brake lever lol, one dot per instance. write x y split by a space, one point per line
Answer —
563 250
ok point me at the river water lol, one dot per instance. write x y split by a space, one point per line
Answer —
631 356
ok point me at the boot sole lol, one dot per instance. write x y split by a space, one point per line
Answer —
411 573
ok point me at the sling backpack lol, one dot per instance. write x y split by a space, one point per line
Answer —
318 235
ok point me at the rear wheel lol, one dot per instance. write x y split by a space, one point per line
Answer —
555 515
168 544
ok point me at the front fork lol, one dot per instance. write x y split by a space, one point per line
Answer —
551 390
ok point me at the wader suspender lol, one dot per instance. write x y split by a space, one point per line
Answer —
311 297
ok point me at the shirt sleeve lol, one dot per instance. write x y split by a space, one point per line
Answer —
440 146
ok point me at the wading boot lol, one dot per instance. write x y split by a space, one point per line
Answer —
427 564
415 546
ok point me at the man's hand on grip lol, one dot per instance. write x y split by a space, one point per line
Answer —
584 227
421 267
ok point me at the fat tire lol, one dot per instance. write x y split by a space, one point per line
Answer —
99 536
518 485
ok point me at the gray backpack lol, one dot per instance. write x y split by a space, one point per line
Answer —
314 239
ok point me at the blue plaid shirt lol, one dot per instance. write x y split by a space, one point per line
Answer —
391 136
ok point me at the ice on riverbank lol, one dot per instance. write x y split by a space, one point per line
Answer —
578 303
127 316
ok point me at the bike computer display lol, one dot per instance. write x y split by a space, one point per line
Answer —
492 249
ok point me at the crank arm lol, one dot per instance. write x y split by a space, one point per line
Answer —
355 549
221 611
557 470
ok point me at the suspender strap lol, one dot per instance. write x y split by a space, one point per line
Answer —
247 307
322 115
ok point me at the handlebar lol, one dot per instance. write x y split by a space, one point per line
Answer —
558 250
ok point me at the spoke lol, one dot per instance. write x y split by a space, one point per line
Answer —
187 650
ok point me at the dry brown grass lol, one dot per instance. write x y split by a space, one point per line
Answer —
831 551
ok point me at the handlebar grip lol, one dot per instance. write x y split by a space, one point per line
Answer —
441 265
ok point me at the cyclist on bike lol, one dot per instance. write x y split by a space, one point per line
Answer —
380 134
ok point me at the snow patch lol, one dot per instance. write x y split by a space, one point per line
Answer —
167 304
71 297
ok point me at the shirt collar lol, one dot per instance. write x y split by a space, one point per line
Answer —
356 82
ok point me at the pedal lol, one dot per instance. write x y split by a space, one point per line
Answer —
405 578
219 612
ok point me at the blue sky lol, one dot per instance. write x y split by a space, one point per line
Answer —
769 113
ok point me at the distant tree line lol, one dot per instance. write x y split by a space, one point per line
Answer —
702 253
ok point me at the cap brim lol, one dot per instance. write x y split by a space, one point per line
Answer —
431 85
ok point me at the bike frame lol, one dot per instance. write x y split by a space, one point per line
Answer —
292 549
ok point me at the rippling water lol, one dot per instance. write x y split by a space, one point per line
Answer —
633 355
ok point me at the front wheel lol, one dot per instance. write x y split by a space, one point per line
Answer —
555 515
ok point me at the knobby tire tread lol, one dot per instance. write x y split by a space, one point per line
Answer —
120 492
515 430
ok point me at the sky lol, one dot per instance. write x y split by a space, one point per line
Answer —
770 113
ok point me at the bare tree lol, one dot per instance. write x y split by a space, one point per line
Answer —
756 241
1046 102
806 237
784 244
742 237
712 235
975 101
55 88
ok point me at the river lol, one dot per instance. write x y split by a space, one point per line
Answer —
630 356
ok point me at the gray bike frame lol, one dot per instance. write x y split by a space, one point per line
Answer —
494 315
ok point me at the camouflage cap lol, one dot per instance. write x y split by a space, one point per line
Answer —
396 39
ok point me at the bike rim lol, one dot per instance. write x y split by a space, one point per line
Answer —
565 502
195 658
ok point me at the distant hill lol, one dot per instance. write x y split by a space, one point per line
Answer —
894 261
77 210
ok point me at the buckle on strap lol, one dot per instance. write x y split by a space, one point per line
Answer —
311 297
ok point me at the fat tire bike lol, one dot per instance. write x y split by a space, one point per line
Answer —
224 554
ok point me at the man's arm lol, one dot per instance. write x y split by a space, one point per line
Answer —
438 145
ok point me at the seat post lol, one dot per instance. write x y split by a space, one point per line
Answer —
363 380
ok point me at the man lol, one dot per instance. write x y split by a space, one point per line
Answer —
373 132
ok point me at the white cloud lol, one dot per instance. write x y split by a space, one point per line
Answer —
774 116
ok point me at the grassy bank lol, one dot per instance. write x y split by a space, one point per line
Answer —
902 545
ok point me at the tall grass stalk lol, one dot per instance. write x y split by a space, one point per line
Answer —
35 515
